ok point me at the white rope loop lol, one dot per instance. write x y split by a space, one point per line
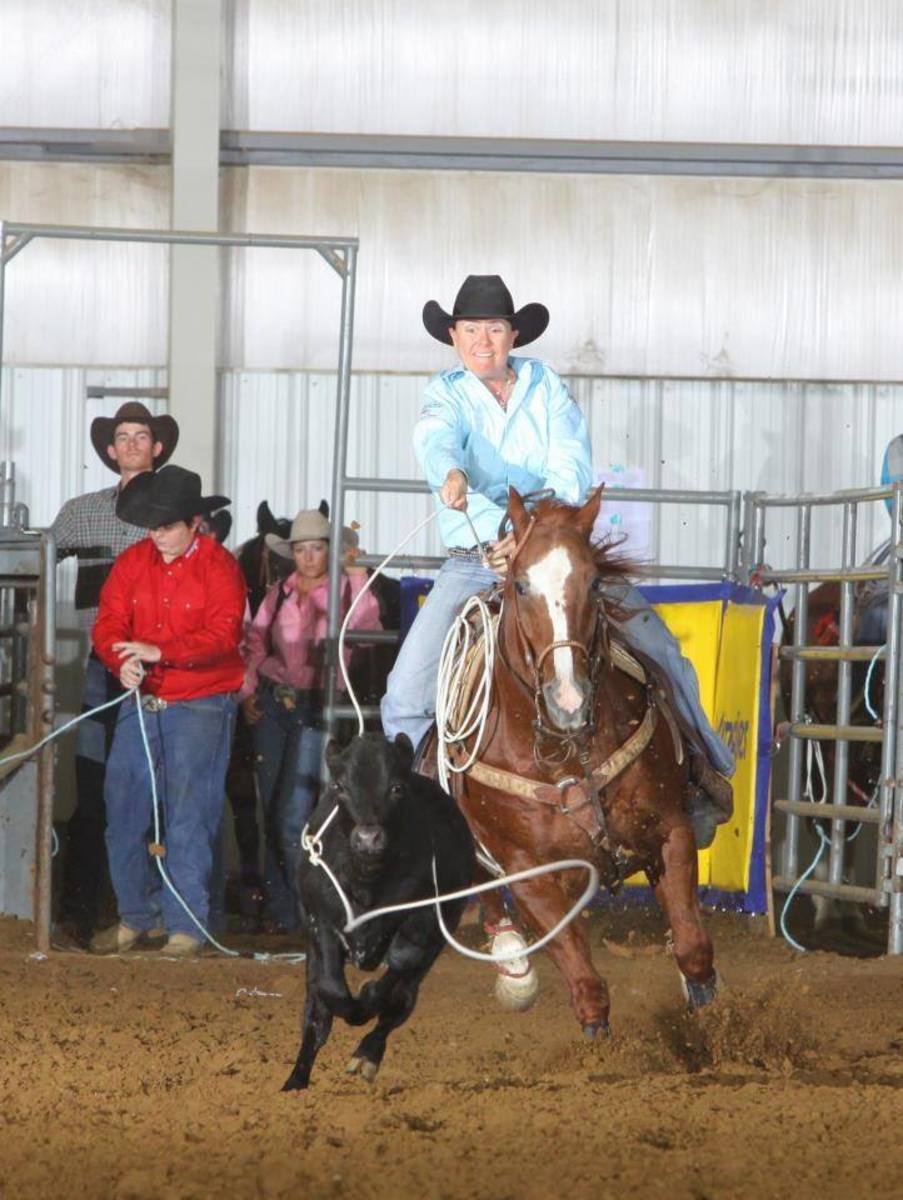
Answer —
452 664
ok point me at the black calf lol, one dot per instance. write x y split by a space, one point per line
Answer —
380 846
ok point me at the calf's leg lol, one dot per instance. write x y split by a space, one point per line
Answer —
392 997
327 997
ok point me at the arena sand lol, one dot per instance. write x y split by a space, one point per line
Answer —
139 1077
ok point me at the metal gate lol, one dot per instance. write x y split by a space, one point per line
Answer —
887 889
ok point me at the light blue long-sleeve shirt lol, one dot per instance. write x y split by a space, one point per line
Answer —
541 441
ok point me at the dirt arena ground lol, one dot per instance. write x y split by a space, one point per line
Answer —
139 1077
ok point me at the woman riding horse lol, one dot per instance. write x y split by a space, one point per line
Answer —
580 758
492 422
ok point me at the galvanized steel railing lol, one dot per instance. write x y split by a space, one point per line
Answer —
887 889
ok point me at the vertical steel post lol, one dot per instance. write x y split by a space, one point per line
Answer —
2 290
339 475
43 664
790 857
892 750
844 695
732 550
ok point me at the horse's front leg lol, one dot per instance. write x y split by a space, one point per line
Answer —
543 902
676 893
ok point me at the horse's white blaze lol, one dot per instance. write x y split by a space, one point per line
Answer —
548 577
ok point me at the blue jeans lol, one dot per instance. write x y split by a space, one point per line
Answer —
409 705
189 742
288 747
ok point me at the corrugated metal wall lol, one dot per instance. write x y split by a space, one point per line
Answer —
698 434
657 276
788 71
645 276
92 64
278 436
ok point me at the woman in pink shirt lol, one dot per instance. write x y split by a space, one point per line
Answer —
282 697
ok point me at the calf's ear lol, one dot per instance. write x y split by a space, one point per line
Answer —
404 744
334 758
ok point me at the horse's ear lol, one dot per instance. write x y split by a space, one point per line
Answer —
589 511
266 522
517 511
323 508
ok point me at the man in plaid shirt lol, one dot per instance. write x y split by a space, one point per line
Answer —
129 443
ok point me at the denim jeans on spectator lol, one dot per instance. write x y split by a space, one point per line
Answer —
190 742
85 882
288 746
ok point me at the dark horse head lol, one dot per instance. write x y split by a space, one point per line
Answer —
553 590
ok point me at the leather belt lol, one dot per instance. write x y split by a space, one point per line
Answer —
469 553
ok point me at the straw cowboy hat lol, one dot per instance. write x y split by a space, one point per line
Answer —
482 297
165 496
164 429
309 525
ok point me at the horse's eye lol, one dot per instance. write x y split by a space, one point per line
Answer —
520 587
598 586
396 791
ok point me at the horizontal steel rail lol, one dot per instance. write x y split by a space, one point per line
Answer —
836 733
834 653
822 499
840 891
823 575
173 237
829 812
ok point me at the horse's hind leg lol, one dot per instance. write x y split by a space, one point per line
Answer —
543 904
676 893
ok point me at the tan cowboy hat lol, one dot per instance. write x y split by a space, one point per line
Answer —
164 429
309 525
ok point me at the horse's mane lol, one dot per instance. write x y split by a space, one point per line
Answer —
612 563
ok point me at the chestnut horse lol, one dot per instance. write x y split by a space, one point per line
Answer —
576 760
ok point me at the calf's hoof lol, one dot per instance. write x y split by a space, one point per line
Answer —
698 995
593 1029
365 1067
295 1083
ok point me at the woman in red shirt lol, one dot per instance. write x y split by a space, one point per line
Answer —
282 697
170 624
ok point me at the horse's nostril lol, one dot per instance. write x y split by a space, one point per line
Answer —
368 839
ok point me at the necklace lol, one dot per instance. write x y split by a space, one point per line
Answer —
501 390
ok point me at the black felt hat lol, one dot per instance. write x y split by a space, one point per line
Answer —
483 297
164 429
162 497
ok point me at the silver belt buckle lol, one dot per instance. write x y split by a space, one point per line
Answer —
154 703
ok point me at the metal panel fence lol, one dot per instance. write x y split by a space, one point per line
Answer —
887 887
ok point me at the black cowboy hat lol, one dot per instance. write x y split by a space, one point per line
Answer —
483 297
163 429
162 497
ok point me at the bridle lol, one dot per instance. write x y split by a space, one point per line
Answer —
565 743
